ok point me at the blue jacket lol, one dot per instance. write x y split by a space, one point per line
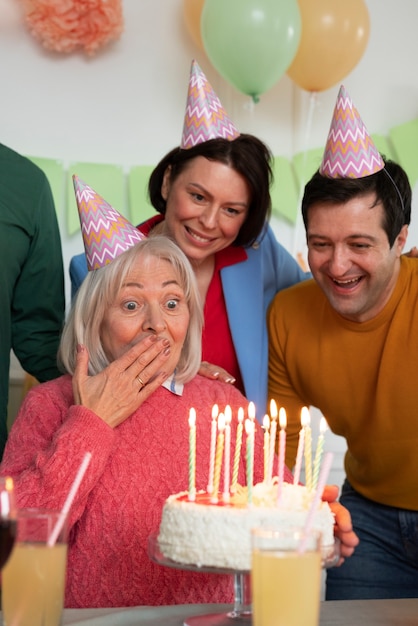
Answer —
249 287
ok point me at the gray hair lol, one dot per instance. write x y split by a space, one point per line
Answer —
99 290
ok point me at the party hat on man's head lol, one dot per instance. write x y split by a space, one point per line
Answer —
349 151
205 117
106 233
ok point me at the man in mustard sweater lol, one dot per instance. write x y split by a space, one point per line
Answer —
347 343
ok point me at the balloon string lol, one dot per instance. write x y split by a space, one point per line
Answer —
249 106
308 131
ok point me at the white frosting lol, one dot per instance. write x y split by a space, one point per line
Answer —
219 535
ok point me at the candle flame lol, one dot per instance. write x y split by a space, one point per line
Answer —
215 411
228 414
221 422
282 418
323 425
305 416
266 422
273 409
192 417
251 411
240 415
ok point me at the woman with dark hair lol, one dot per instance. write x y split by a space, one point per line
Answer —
212 195
214 201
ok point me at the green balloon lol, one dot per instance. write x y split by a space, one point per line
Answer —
251 43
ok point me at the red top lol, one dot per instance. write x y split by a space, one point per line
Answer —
134 468
217 344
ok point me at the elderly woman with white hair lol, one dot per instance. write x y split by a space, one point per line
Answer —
131 350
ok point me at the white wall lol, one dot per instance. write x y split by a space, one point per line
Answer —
125 106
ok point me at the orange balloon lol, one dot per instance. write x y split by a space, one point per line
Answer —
333 39
192 11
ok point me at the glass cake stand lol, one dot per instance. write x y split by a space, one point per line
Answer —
241 611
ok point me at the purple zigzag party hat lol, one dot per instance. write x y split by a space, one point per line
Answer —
106 233
349 151
205 117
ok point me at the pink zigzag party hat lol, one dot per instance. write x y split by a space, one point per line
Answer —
349 151
205 117
106 233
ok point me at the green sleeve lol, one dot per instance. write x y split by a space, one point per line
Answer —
38 306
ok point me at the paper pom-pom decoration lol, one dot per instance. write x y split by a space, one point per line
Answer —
69 25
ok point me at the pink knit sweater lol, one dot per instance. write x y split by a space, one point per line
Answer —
134 468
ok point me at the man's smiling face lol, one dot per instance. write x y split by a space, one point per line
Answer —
350 257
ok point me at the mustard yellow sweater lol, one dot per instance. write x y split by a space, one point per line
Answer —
362 376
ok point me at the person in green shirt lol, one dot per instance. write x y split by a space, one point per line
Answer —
32 300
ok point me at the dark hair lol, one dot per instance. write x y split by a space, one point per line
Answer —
247 155
391 186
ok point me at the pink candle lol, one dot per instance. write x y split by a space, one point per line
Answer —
227 457
282 449
215 412
301 444
273 428
237 454
251 415
266 427
249 429
308 448
192 455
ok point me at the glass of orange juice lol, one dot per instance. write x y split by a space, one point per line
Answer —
33 579
286 577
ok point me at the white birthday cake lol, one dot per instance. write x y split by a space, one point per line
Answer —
203 533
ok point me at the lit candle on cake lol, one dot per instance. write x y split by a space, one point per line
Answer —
301 445
308 449
251 415
218 457
192 454
251 411
215 412
319 450
282 449
249 429
227 458
237 454
266 427
273 428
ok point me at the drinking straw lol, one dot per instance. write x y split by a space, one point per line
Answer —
69 500
323 476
